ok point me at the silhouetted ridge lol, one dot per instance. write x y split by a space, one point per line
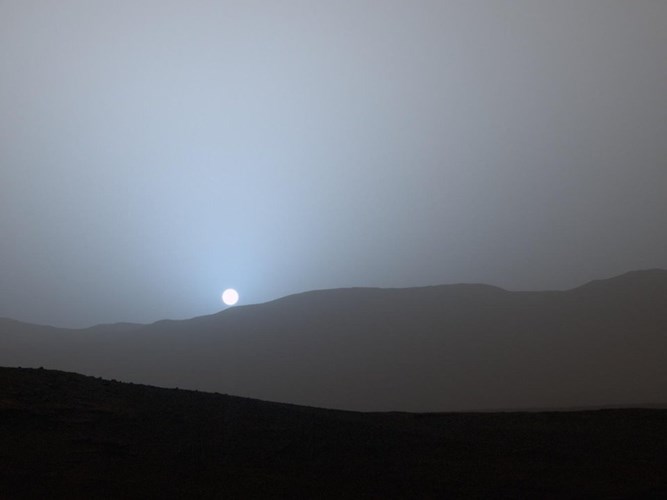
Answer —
359 296
632 279
117 327
438 348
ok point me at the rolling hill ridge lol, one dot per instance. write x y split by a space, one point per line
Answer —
440 348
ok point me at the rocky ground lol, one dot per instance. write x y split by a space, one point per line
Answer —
64 435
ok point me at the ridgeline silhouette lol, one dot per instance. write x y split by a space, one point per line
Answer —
439 348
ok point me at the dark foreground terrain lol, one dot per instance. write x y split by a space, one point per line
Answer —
70 436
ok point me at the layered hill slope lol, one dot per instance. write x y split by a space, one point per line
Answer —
441 348
68 436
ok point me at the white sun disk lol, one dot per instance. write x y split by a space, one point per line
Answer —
230 297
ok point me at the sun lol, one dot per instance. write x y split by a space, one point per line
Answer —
230 297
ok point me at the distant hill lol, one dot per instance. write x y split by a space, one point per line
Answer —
439 348
68 436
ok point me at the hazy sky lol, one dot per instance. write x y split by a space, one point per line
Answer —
153 153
